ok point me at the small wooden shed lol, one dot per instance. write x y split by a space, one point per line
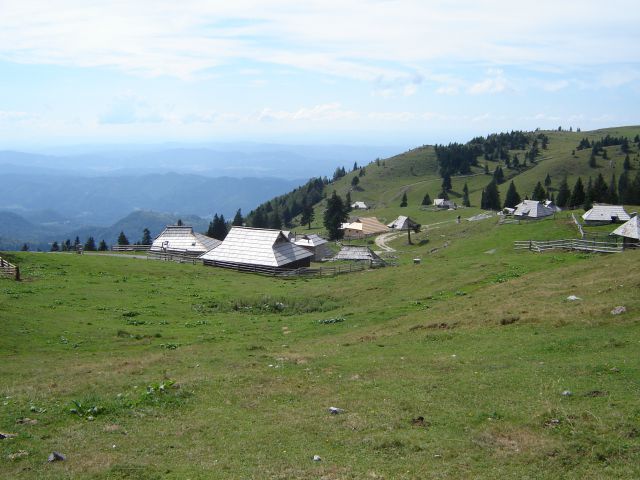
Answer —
630 232
182 240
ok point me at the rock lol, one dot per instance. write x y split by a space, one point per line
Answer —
567 393
18 454
573 298
419 422
26 421
7 435
316 458
335 410
618 310
56 457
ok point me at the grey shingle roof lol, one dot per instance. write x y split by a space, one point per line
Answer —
630 229
257 246
182 238
532 209
606 213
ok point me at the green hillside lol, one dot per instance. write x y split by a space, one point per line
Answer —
453 368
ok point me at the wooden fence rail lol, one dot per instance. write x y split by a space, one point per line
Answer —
569 244
130 248
9 270
175 256
291 273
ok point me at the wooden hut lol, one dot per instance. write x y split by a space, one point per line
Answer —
402 223
602 214
533 210
314 244
630 232
362 227
181 240
358 254
257 250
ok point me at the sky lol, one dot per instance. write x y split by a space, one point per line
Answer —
375 72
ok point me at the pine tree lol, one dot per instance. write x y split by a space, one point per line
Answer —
547 181
564 194
25 247
612 195
286 217
403 202
539 193
102 247
179 222
355 181
67 245
348 202
334 217
491 197
90 245
76 242
588 196
122 239
465 196
577 195
623 185
592 161
238 221
213 224
259 219
426 200
498 175
55 247
599 190
512 198
627 163
516 162
274 220
308 215
146 237
446 182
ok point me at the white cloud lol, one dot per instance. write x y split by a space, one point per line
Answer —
555 86
494 83
129 108
447 90
360 39
325 112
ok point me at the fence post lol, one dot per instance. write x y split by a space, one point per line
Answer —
17 273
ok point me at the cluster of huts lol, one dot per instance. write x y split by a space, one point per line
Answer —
599 214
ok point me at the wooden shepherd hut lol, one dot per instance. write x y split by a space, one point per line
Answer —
630 232
258 250
314 244
182 240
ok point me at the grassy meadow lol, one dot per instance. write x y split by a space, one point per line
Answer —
453 368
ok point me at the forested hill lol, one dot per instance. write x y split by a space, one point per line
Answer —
606 159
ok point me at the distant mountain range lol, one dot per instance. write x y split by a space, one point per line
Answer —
15 230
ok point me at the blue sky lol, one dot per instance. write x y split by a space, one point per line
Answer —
351 71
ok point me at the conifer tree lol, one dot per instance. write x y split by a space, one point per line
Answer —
599 190
588 196
512 198
465 196
426 200
403 202
491 197
577 194
539 193
25 247
90 245
146 237
355 181
334 217
623 185
122 239
627 163
446 182
547 181
55 247
498 175
347 202
564 194
102 247
612 195
308 215
592 161
238 221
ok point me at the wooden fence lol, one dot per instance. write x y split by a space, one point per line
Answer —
130 248
292 273
175 256
9 270
569 244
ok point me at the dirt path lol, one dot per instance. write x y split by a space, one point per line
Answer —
381 240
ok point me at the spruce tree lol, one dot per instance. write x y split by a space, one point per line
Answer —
465 196
25 247
512 198
564 194
334 217
347 202
623 185
146 237
122 239
491 197
577 194
238 220
308 215
446 182
426 200
588 196
599 190
592 161
627 163
612 195
403 202
547 181
539 193
55 247
355 181
213 224
90 245
102 247
498 175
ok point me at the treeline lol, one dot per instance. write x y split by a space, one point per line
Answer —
91 246
597 146
457 158
280 211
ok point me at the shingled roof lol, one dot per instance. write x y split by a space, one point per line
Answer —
257 246
606 214
533 209
630 229
181 238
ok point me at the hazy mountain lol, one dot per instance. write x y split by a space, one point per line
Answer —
213 160
103 200
133 224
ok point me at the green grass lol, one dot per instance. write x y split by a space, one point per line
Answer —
198 372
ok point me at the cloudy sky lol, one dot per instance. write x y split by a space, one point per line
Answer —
342 71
